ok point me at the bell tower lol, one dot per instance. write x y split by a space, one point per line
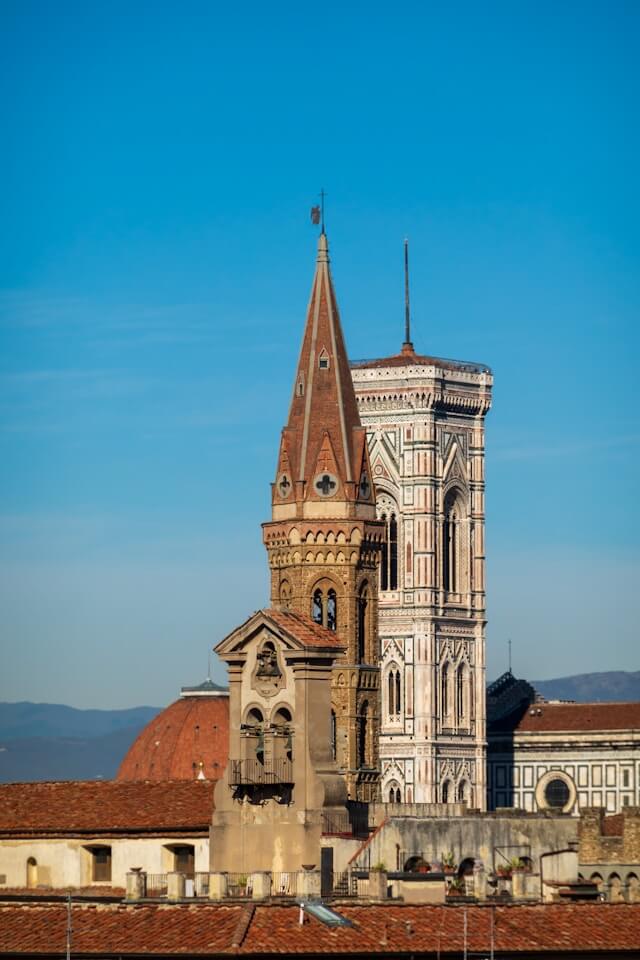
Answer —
323 540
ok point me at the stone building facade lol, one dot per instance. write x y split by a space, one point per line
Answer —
562 756
609 852
323 540
424 418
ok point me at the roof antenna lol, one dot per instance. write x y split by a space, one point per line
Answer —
407 346
509 644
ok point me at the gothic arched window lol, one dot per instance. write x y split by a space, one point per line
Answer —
394 692
460 678
324 608
332 610
446 791
463 791
362 622
452 572
316 606
444 698
393 552
389 551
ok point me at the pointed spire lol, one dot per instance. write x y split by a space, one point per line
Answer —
321 446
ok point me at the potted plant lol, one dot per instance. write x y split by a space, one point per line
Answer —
379 867
456 887
448 862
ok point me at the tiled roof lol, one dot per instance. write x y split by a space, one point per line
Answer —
323 435
378 930
109 806
190 736
580 717
304 629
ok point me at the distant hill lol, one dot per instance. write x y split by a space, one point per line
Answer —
46 741
49 741
589 687
25 719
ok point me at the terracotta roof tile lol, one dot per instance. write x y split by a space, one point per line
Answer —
192 734
580 717
378 930
304 629
105 806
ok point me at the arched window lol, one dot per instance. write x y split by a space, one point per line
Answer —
392 694
398 795
460 678
444 698
324 608
451 560
463 791
398 693
384 557
389 552
362 622
393 552
316 606
446 791
362 734
332 610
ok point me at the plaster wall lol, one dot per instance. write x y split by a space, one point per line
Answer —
67 863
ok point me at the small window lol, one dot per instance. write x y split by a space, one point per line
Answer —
323 360
100 864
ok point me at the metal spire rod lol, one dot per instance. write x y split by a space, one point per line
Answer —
322 196
407 314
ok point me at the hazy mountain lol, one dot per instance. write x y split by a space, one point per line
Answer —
45 741
26 719
48 741
584 687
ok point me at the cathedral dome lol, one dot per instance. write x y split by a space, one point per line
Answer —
188 740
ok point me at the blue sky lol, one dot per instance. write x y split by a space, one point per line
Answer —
156 255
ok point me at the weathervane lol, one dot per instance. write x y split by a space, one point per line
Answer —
317 212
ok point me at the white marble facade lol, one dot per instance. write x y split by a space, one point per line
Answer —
425 423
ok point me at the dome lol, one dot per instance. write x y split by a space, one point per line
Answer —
186 741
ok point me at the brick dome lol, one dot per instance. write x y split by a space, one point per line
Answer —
188 740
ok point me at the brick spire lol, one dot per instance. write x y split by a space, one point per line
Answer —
323 452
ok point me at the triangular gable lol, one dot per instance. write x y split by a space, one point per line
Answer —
325 479
292 630
365 488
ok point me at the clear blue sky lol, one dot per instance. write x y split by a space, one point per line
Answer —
158 165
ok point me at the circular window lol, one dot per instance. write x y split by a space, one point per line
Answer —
556 793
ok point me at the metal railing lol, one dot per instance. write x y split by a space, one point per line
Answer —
249 772
239 885
156 885
284 884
